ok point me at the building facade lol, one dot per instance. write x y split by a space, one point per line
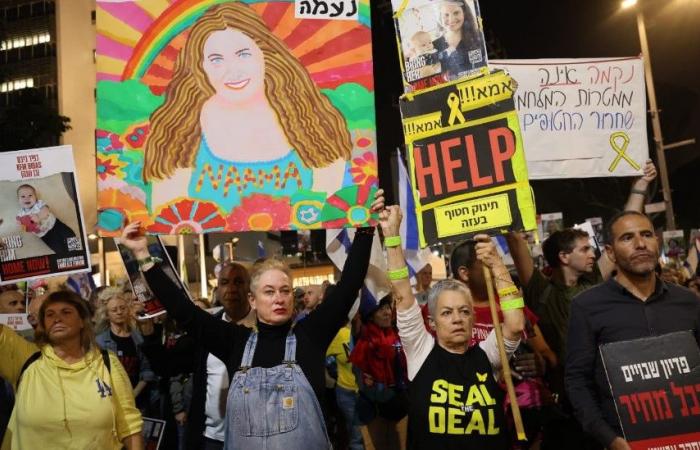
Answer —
28 50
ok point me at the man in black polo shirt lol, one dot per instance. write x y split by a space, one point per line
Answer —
632 304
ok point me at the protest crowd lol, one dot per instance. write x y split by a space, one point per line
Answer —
224 117
409 371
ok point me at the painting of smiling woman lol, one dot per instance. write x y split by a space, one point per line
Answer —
242 125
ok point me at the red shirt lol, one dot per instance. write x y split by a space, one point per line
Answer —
483 323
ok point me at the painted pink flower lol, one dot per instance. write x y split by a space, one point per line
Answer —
364 169
260 212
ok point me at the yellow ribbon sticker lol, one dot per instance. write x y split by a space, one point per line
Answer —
621 150
455 110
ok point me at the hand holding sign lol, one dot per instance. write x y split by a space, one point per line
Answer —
619 444
390 220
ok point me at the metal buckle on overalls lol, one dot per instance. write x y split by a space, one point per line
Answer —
288 363
244 369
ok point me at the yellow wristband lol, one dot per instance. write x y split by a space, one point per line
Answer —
516 303
392 241
398 274
506 291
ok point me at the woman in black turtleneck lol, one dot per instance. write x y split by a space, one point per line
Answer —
263 409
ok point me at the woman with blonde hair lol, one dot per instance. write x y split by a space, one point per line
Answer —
69 394
115 323
278 366
242 116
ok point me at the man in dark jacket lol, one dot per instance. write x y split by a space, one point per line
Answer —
210 379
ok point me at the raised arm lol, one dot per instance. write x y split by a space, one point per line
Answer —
15 351
521 256
638 192
513 317
332 313
216 336
417 342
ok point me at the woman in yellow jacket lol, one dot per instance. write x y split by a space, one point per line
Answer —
68 396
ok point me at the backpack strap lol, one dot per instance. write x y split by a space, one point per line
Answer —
27 363
105 359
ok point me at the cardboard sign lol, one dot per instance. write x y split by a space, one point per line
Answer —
153 431
655 383
674 244
17 322
423 30
581 118
139 286
41 224
466 159
549 223
222 116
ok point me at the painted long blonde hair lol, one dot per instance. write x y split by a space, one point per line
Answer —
314 128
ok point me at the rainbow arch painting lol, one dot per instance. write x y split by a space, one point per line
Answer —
219 115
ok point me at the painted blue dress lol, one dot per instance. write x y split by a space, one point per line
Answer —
225 182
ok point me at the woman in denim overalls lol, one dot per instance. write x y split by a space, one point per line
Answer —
278 367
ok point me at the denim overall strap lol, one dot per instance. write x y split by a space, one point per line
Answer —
249 352
290 349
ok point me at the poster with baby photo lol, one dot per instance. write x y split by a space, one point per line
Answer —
439 41
41 224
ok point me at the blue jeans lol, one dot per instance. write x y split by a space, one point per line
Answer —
347 400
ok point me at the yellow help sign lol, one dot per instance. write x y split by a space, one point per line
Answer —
466 159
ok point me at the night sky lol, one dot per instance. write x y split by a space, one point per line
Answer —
584 29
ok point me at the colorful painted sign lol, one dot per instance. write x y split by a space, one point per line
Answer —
41 224
217 115
581 118
466 159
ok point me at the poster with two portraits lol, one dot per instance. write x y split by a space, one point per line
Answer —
439 41
41 225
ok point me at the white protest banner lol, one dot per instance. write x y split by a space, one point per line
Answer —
17 322
41 224
581 118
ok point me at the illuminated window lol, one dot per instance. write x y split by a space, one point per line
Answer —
25 41
15 85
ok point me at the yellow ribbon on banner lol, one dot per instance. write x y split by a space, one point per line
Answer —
455 111
621 151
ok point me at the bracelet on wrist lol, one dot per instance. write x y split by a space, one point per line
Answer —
398 274
516 303
638 191
392 241
507 291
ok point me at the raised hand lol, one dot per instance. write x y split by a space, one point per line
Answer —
390 220
378 203
486 251
133 238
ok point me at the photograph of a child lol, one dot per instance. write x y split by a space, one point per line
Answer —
440 41
42 213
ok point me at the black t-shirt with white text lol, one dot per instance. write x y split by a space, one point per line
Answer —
126 352
455 403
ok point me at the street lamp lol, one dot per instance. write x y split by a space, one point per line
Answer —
655 121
